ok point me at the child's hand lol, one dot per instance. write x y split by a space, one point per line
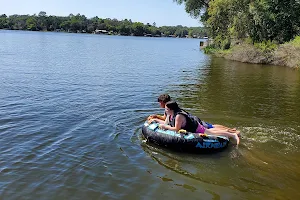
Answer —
151 120
151 117
162 126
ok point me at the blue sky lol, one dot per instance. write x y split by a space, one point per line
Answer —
162 12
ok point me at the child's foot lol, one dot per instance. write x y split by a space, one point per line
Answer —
238 133
236 137
233 130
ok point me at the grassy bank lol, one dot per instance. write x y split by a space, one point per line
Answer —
287 54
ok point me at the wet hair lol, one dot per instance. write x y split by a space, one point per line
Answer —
172 105
164 98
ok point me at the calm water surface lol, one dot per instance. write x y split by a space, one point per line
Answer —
72 107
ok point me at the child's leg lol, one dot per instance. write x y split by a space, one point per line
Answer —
224 128
214 131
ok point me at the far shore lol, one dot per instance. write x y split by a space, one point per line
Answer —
111 34
106 26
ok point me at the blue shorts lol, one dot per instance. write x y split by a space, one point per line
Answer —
209 125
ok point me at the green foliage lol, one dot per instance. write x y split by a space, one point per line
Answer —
222 42
80 23
296 42
261 20
3 21
31 24
210 49
219 19
248 40
42 14
138 29
266 46
195 7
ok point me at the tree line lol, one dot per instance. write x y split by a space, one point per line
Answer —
277 21
80 23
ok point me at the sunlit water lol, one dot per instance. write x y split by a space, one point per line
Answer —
72 107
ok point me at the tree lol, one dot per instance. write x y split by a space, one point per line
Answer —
65 25
80 23
261 20
31 23
3 21
124 29
138 29
195 8
42 14
154 31
41 21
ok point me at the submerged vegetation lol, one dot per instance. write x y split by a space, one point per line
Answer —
257 31
81 24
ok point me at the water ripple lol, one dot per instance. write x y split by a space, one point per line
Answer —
71 127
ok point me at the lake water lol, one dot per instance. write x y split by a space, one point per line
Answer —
72 107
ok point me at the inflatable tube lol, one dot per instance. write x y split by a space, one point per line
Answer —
187 142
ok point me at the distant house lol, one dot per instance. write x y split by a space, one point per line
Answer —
101 31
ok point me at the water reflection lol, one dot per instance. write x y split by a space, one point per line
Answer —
263 102
238 89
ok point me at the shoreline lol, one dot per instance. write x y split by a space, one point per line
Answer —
267 53
81 24
42 31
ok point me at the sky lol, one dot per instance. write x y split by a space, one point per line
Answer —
162 12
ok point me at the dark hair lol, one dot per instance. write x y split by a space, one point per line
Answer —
172 105
164 98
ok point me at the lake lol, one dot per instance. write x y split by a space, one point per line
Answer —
72 107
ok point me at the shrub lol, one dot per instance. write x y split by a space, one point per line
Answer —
210 49
266 46
295 42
